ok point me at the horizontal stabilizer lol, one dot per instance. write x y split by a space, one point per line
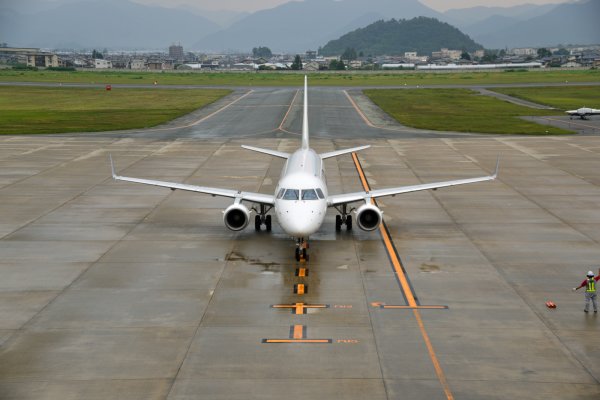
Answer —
275 153
341 152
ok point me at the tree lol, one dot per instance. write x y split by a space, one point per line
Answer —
337 65
544 52
97 54
465 56
264 52
349 54
562 52
297 64
489 56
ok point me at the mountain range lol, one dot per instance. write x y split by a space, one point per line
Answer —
295 26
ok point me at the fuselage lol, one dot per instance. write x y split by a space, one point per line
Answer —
301 194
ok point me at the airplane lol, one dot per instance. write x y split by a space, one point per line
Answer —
583 112
301 198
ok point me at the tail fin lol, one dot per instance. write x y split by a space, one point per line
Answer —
305 119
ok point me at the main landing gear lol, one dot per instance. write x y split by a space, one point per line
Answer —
301 250
343 219
262 218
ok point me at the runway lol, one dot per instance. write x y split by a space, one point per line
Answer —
112 290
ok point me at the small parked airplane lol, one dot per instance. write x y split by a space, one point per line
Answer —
301 198
583 112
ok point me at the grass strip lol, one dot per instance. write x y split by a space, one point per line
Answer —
61 110
354 78
561 98
459 110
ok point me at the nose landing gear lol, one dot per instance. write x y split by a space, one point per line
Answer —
301 250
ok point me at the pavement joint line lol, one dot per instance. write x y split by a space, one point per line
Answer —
25 326
500 272
530 199
406 287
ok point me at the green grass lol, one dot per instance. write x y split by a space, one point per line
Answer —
562 98
58 110
459 110
380 78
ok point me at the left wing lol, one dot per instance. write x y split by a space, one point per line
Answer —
259 198
366 196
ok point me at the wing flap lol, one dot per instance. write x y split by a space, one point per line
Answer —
364 196
234 194
274 153
341 152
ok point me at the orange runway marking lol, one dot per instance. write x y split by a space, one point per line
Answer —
298 335
300 308
405 286
288 111
415 308
302 272
300 288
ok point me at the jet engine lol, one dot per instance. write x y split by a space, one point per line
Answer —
368 217
236 217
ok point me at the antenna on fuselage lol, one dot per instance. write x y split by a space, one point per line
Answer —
305 119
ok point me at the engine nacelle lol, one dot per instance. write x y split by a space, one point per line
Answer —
368 217
236 217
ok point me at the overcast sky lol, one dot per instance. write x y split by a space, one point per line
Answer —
253 5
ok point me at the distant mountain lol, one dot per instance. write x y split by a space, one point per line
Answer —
298 26
117 24
570 23
223 18
463 18
423 35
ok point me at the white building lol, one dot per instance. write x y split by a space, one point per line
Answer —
102 64
526 51
138 64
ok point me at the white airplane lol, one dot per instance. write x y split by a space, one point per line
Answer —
583 112
301 198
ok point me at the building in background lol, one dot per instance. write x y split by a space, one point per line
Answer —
176 52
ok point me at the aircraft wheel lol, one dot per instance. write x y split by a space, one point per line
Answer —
349 222
257 223
268 223
304 255
338 223
297 254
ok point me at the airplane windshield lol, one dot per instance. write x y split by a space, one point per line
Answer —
291 194
320 193
309 194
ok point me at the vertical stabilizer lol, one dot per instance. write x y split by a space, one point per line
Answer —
305 119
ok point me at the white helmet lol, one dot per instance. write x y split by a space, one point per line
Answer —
590 273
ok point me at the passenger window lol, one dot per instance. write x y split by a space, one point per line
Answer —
309 194
320 193
291 194
280 194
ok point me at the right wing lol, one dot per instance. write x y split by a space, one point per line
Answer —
259 198
366 196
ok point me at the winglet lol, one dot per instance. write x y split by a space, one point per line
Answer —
112 166
305 118
497 167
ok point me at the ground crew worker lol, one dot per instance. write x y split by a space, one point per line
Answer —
590 290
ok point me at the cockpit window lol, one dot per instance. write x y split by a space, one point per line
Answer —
320 193
291 194
280 194
309 194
